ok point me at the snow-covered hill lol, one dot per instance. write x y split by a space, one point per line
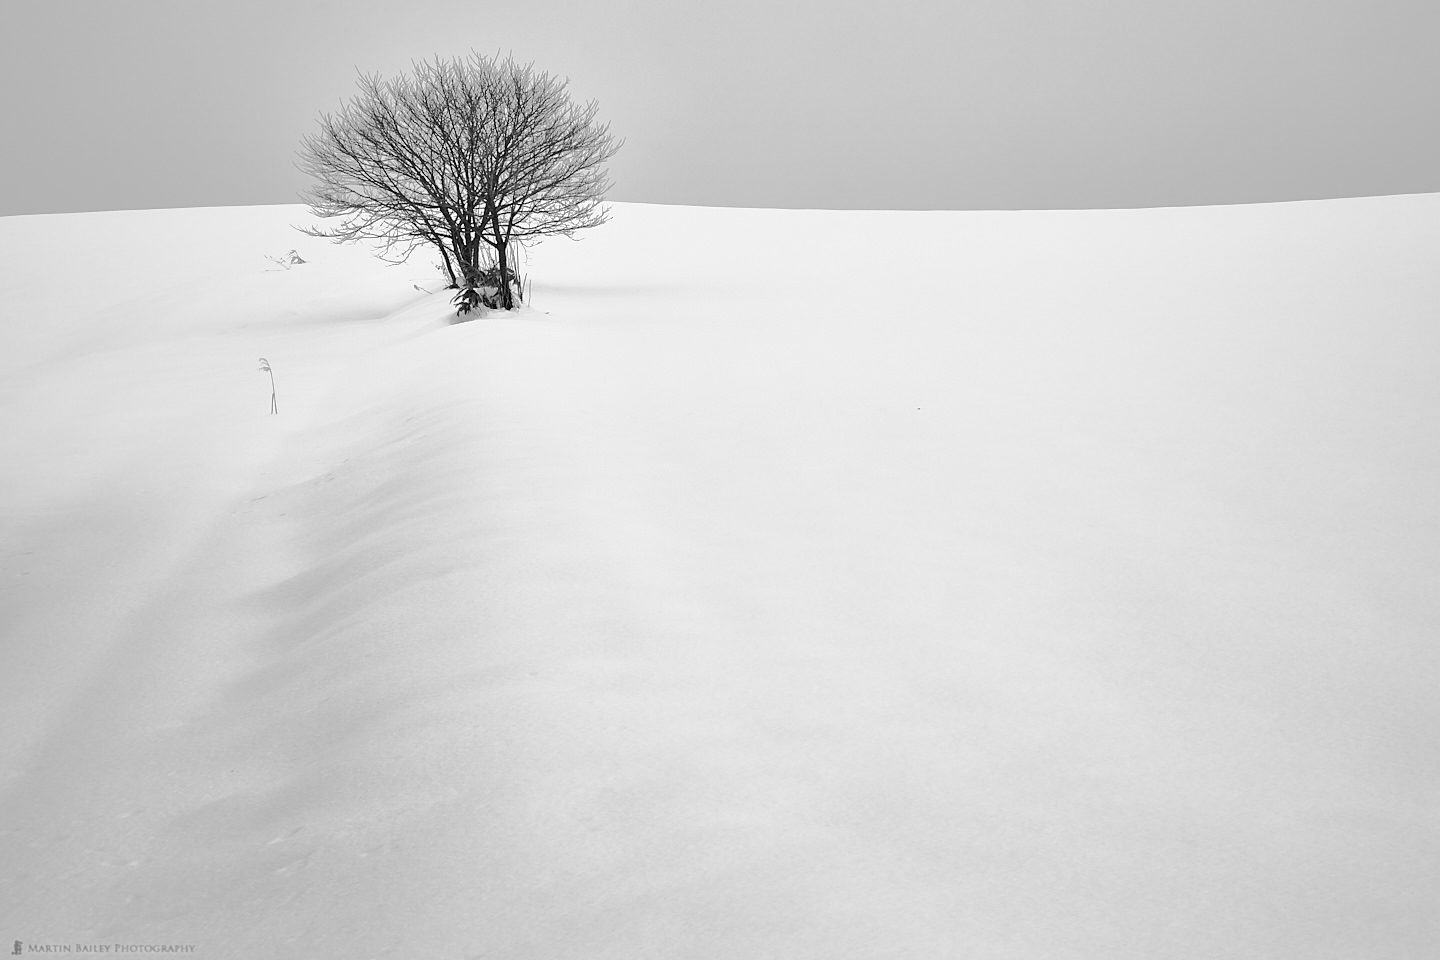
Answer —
779 585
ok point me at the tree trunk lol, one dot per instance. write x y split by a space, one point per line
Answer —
501 243
470 264
507 302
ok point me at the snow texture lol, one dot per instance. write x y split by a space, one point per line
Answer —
779 584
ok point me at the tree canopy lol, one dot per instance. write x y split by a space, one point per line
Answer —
474 156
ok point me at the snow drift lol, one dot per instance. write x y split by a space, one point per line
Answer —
1052 584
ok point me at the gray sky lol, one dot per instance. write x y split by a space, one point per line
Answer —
113 104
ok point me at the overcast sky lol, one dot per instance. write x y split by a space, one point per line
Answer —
113 104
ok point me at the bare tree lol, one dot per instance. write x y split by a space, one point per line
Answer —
474 157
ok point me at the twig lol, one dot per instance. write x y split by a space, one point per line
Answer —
265 368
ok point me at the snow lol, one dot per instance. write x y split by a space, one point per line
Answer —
779 584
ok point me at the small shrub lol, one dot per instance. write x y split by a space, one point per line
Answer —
288 260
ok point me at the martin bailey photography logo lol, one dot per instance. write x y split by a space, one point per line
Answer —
23 948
